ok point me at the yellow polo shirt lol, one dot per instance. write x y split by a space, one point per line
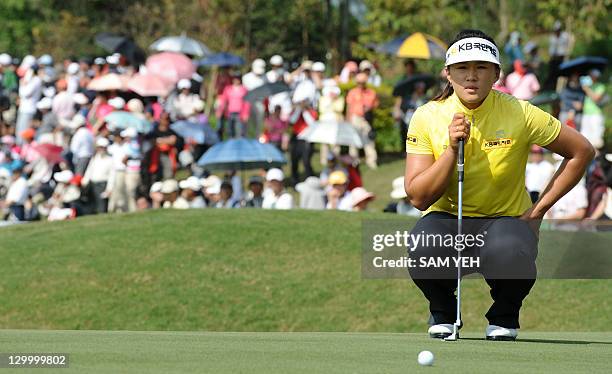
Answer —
503 130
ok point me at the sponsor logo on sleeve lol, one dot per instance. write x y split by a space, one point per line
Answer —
411 140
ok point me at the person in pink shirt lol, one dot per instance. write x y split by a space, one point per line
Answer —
275 129
522 83
360 103
233 109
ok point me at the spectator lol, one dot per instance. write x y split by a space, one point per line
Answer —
278 198
368 68
169 189
522 83
401 103
402 205
81 144
17 196
125 177
190 199
277 71
572 98
251 80
97 175
331 110
533 61
572 206
592 125
360 198
338 197
255 195
30 91
361 102
163 157
312 194
226 191
317 75
184 104
538 173
558 50
275 130
233 109
301 150
348 72
513 48
49 120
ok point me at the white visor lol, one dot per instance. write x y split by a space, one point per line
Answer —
472 49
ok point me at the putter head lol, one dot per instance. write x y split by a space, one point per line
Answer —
454 336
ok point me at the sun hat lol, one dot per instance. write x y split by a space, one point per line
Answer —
184 84
156 187
169 186
472 49
102 142
318 67
117 102
191 183
360 194
275 174
337 177
276 60
258 66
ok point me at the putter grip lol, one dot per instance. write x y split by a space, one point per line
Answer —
460 160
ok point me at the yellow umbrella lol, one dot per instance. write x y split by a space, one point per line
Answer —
420 45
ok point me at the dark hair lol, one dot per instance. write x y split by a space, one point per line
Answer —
463 34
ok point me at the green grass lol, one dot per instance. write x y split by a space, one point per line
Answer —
249 270
182 352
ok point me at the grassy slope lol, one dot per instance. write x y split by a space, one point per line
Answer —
244 270
167 352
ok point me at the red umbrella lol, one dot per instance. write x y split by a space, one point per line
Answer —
171 66
108 82
51 152
149 85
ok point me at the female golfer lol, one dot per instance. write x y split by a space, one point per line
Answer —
498 131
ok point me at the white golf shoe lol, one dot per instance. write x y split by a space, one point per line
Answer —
440 331
495 332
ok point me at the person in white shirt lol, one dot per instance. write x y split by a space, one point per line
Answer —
17 195
81 144
277 71
189 198
278 198
338 197
30 91
185 103
97 175
63 103
125 178
251 80
538 172
558 48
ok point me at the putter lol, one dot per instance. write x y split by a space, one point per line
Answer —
455 335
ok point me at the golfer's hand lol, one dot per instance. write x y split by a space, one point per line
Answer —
534 220
457 130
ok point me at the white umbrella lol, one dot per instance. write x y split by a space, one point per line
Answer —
107 82
334 133
180 44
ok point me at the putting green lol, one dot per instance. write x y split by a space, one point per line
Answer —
204 352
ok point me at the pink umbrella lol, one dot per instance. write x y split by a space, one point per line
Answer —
149 85
108 82
51 152
170 66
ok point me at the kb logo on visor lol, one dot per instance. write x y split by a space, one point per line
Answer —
483 47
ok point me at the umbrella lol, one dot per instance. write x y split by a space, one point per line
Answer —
200 133
406 86
149 85
334 133
170 66
107 82
222 59
389 47
120 119
50 152
242 154
546 97
266 90
180 44
417 45
121 44
582 64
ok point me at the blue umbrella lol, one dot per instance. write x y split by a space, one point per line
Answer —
583 64
222 59
389 47
242 154
200 133
120 120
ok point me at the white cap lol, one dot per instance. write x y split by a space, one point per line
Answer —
77 121
102 142
156 187
44 103
191 183
63 176
169 186
258 66
398 188
130 132
276 60
45 60
99 61
27 62
183 84
80 98
318 67
472 49
73 68
214 189
113 59
117 103
49 91
5 59
365 64
275 174
272 76
211 180
135 105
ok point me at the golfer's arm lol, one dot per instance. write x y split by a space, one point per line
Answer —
426 179
578 153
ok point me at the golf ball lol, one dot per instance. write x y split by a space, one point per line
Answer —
425 358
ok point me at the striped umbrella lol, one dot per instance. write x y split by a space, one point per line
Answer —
417 45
